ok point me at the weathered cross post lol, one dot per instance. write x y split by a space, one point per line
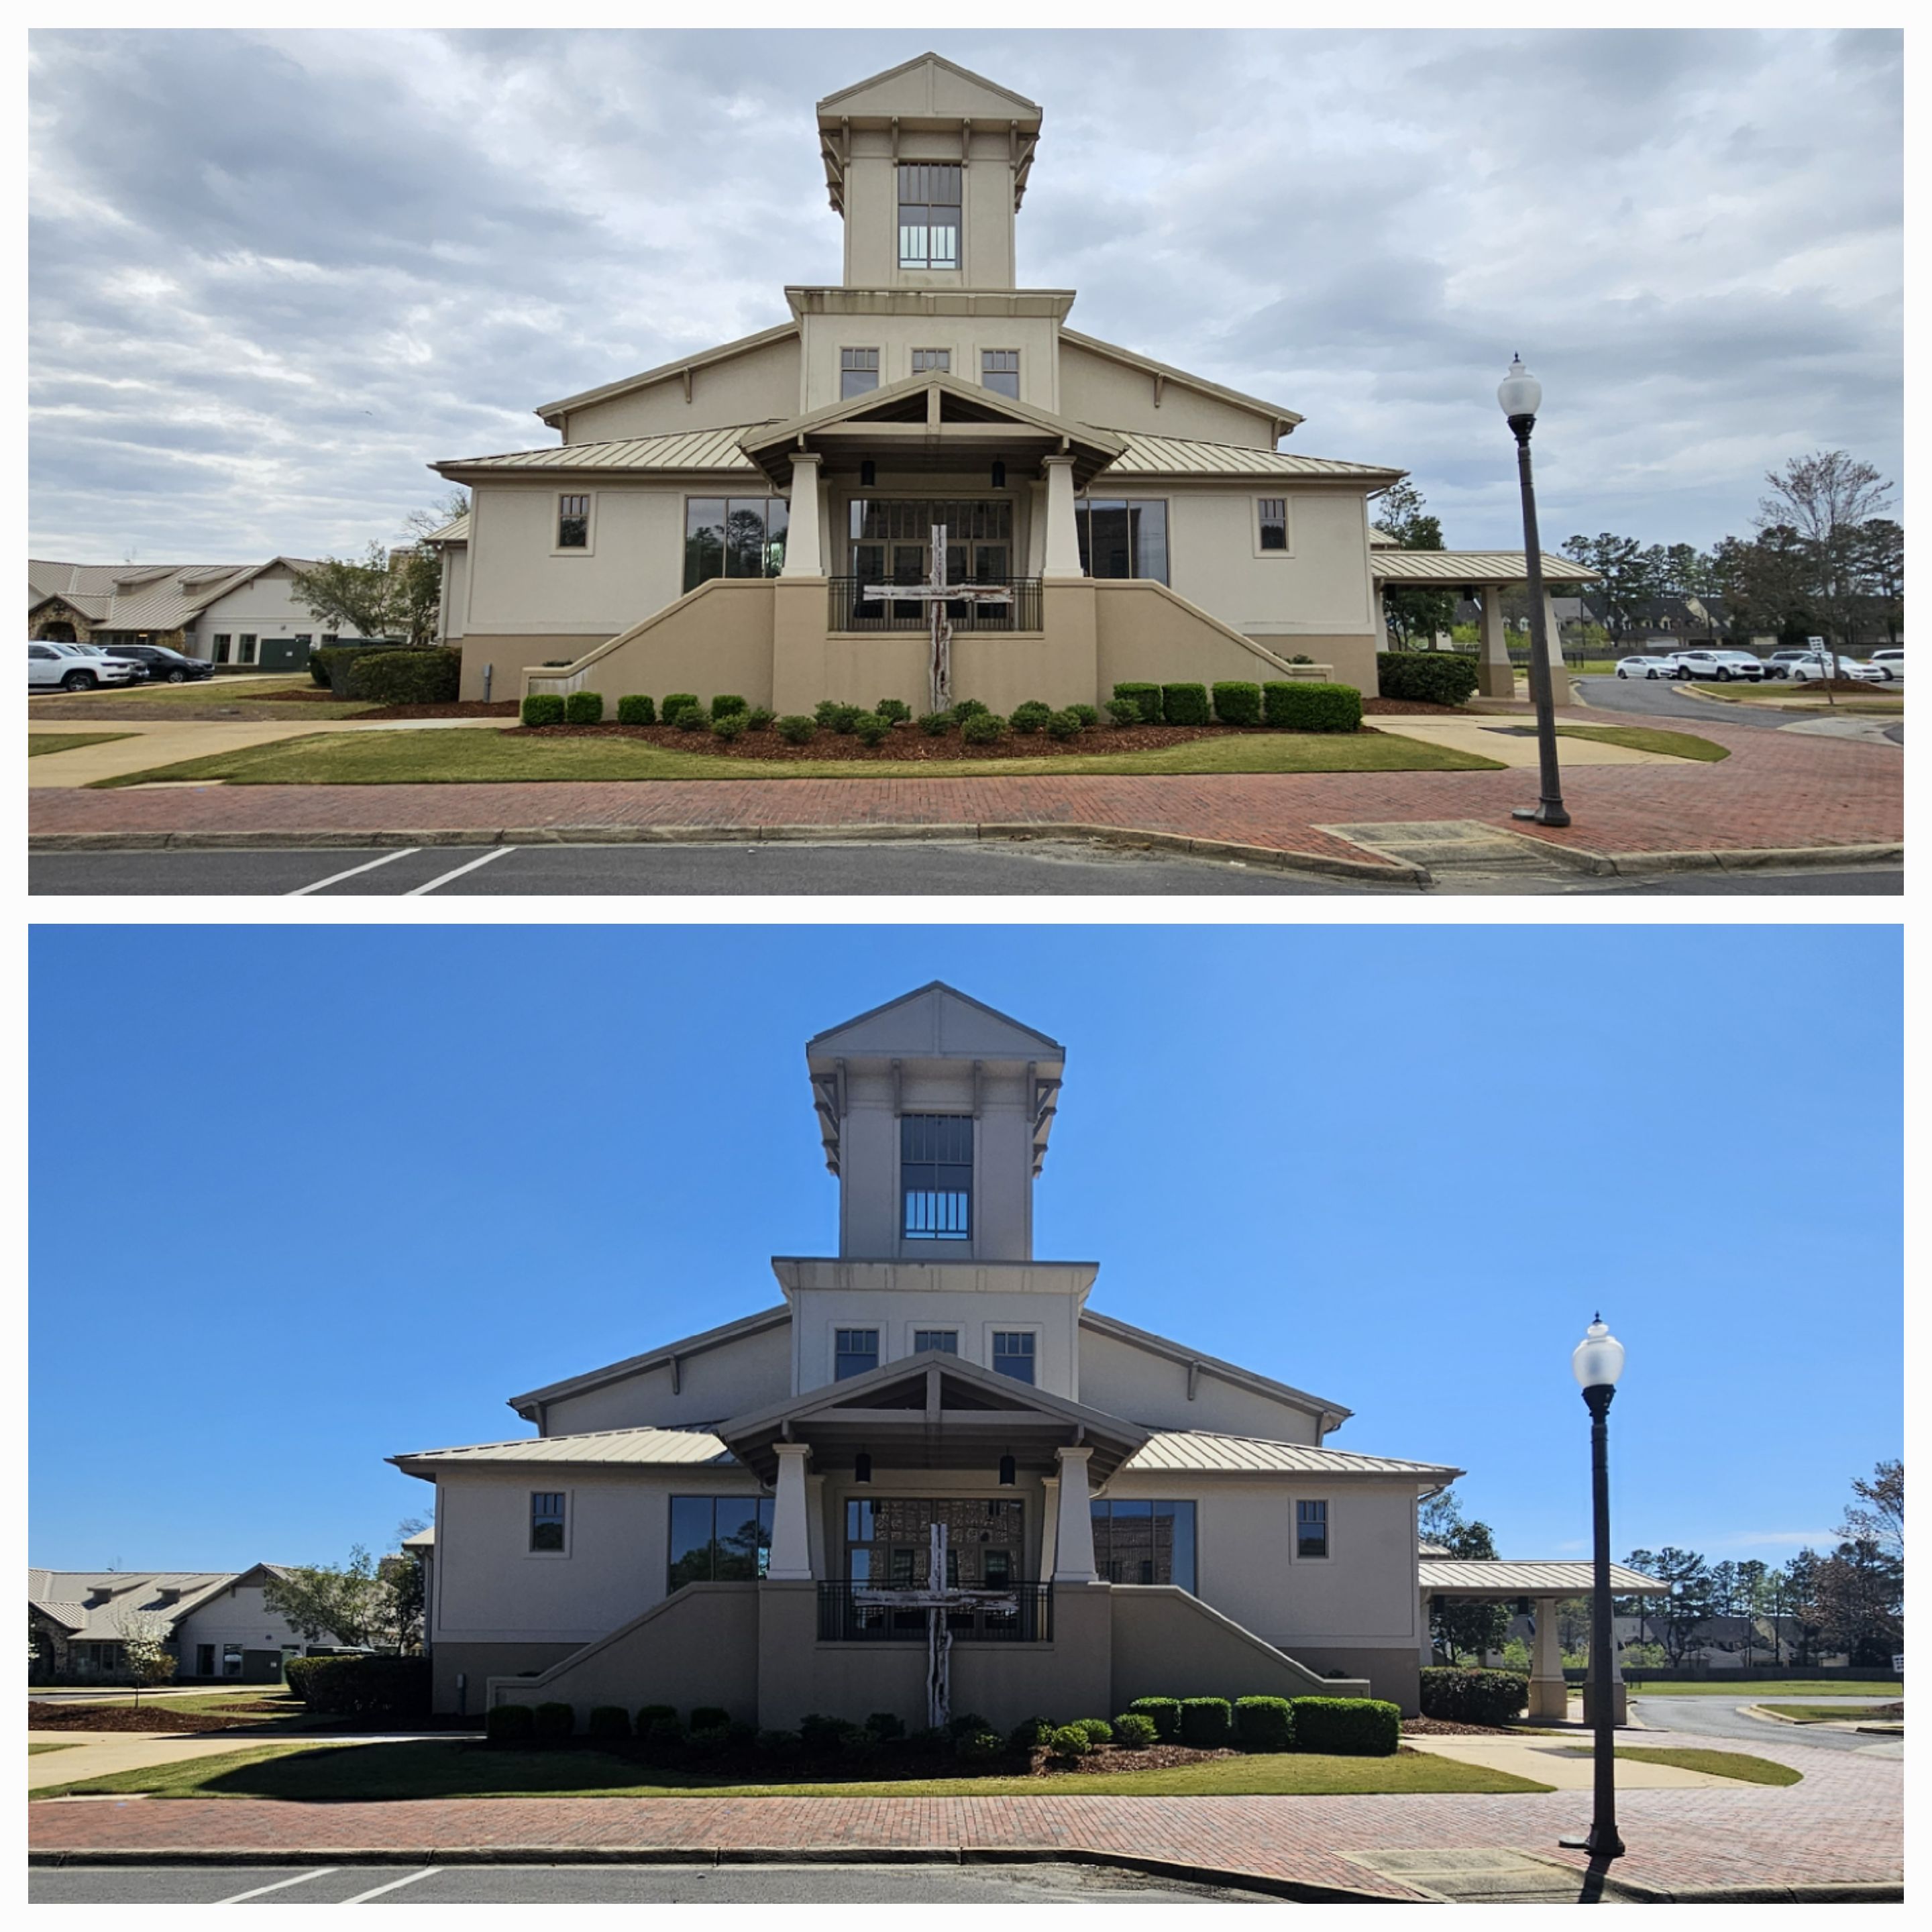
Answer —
936 593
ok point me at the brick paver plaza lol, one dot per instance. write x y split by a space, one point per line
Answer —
1842 1824
1777 789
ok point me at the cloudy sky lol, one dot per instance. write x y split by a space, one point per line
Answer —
275 274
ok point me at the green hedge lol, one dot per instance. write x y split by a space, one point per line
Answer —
1238 703
1147 696
679 700
1165 1712
795 728
609 1720
895 711
1473 1697
1126 713
1134 1730
405 677
583 707
1347 1726
983 728
362 1687
1426 677
1064 725
648 1714
730 728
1205 1722
1070 1741
1300 704
330 664
543 707
871 729
510 1724
636 710
1030 716
555 1722
1265 1723
724 706
1184 703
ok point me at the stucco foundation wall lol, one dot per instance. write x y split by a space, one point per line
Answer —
1146 632
478 1663
1351 660
510 657
1396 1674
715 638
1169 1644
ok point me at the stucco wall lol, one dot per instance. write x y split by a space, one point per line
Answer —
265 606
453 607
1126 1380
1319 586
237 1615
896 337
736 1378
1169 1644
715 638
509 658
476 1663
871 204
760 385
1095 389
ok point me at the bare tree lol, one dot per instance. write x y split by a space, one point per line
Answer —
144 1645
1878 1517
1828 497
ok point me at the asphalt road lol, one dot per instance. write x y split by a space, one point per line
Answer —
403 1884
1719 1717
1025 869
1661 699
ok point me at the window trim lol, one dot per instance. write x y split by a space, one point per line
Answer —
529 1522
1294 1529
1037 1330
1287 529
589 546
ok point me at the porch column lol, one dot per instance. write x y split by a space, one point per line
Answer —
1376 589
1495 678
1073 1551
802 538
790 1561
1559 678
1063 539
1426 1647
1549 1695
1049 1528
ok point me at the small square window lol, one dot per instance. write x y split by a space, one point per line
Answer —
1274 523
546 1519
1013 1355
999 371
946 1340
858 372
857 1353
573 522
1311 1529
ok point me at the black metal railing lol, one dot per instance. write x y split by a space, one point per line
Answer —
843 1619
851 611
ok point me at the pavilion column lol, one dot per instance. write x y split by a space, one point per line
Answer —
1559 678
1063 539
1549 1695
802 536
1495 678
1426 1647
1073 1550
790 1561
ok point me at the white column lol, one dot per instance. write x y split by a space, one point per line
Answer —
1559 678
1073 1551
1376 588
1425 1648
1049 1528
1549 1695
791 1539
1063 539
802 538
1495 639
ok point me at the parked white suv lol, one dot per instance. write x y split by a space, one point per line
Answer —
1721 665
1891 661
69 667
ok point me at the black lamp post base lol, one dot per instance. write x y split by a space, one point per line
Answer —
1542 815
1611 1846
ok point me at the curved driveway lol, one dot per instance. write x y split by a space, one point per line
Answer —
1719 1717
1659 697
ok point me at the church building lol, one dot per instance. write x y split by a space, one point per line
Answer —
730 521
931 1450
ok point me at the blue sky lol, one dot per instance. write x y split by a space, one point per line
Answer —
338 1191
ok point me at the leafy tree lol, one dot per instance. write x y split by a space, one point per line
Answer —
1628 572
420 523
1413 611
402 1576
1768 584
349 595
1460 1627
1827 498
346 1603
1799 1601
1878 557
1690 1602
144 1645
1860 1589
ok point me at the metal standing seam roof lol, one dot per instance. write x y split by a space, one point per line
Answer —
1471 566
705 449
681 1447
1199 1451
1530 1579
457 531
153 597
1173 456
62 1594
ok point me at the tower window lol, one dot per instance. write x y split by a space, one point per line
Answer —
857 1353
1013 1354
936 1176
999 371
858 373
929 199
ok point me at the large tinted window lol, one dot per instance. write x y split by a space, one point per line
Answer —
936 1176
1145 1542
719 1539
737 536
929 202
1122 537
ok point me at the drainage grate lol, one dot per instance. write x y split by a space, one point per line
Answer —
1482 1875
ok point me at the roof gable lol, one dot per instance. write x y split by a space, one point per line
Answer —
928 87
936 1022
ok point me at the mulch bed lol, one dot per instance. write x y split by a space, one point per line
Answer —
1443 1727
469 708
122 1717
1411 707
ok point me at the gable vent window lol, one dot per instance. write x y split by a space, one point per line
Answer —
1274 523
999 371
929 199
936 1176
855 1353
858 373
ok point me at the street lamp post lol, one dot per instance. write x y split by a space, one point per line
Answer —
1521 396
1597 1361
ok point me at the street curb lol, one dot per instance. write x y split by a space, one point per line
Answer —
1635 864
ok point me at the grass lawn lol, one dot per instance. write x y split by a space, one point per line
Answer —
1643 738
1755 1692
34 1750
40 743
1830 1714
1772 690
250 697
469 758
438 1769
1714 1763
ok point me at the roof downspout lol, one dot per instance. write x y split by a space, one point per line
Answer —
1193 1379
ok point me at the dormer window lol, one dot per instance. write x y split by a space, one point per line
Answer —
929 200
936 1176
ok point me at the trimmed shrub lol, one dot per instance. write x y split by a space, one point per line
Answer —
710 1742
542 707
980 1748
797 729
780 1744
691 717
817 1733
983 728
663 1734
758 718
1347 1726
965 1725
1146 696
844 719
1087 715
970 707
654 1713
1473 1697
1307 704
635 710
1029 717
609 1720
1184 703
1165 1712
362 1687
1126 711
1063 725
1069 1742
1238 703
318 671
724 706
1134 1730
825 709
1265 1723
337 661
871 729
677 702
1099 1731
1301 657
509 1724
1030 1733
894 710
886 1725
583 707
405 677
730 728
936 724
709 1717
858 1744
1206 1722
555 1722
1426 677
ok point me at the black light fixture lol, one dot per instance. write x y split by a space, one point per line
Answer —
999 472
861 1468
868 474
1006 1472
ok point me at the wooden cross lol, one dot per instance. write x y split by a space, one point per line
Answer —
936 593
936 1597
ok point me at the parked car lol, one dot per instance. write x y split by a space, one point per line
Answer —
1779 664
1891 661
163 665
1719 667
75 668
1656 663
1815 664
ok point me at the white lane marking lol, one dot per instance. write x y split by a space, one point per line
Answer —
417 892
336 878
408 1878
301 1878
